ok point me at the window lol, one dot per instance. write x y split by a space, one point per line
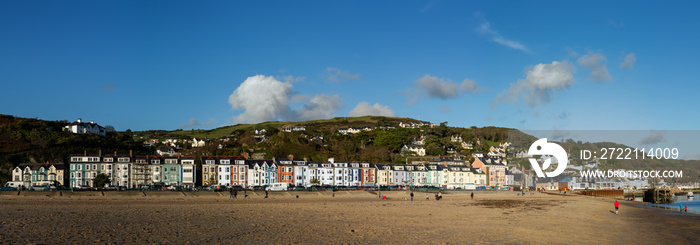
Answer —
87 167
205 177
123 159
72 175
78 174
234 169
289 169
72 167
227 170
109 167
206 170
103 167
173 169
94 166
213 169
108 159
242 169
155 161
235 177
209 162
226 177
220 177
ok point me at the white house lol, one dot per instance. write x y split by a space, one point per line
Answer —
418 149
198 142
80 127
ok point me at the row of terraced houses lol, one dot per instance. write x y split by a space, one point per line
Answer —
137 171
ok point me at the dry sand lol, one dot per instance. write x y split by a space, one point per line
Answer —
356 217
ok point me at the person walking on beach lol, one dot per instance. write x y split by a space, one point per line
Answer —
686 208
681 207
427 197
411 196
265 193
472 195
245 194
235 193
617 206
230 193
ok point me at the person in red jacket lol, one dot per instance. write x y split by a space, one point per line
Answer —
617 206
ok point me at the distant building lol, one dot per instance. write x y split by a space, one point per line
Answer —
418 149
33 174
80 127
166 150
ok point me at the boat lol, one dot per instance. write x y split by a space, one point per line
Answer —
690 195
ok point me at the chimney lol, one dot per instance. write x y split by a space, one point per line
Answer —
80 120
115 153
100 153
92 122
131 153
291 157
246 155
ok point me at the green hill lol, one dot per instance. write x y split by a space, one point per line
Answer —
25 140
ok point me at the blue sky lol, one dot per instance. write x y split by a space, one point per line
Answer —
546 65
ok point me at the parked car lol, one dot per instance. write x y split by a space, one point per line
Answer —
278 187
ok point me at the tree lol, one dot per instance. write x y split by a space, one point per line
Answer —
101 180
109 129
389 140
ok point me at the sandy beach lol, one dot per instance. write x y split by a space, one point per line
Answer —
355 217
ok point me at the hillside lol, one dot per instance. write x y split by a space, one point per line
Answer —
24 140
31 140
320 140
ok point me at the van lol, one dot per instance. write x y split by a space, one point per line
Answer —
277 187
13 185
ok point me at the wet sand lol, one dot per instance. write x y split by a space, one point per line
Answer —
355 217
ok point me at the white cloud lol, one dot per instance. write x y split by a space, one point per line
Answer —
443 88
629 61
319 107
538 84
616 24
291 79
264 98
193 122
595 62
366 109
485 28
654 138
572 52
335 75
